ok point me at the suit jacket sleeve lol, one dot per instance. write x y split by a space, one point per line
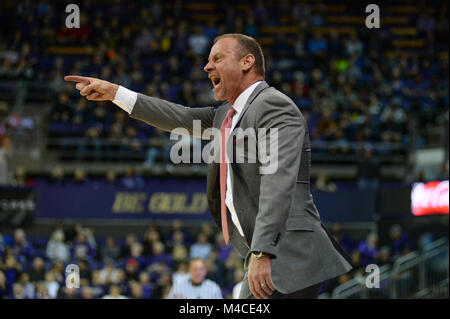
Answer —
278 185
169 116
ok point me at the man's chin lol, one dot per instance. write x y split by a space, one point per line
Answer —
218 97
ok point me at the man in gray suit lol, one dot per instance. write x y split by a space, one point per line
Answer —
270 218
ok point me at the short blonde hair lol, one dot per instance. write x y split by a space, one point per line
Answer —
247 45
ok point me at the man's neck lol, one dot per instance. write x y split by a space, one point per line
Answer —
196 284
245 86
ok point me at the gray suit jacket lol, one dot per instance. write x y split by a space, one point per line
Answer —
276 211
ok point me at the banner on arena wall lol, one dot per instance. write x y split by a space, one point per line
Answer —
162 199
172 198
430 198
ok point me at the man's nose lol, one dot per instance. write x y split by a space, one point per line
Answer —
208 67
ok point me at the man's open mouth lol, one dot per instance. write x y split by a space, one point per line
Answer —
215 81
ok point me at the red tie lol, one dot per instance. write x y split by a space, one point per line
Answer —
224 134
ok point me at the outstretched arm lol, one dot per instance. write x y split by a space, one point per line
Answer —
154 111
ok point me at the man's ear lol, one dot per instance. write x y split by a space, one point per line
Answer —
247 62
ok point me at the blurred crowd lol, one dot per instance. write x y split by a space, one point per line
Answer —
149 265
135 267
351 91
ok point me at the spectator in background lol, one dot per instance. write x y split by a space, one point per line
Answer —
177 240
132 270
84 246
158 270
57 249
137 252
51 284
2 245
71 232
144 280
216 268
196 286
3 288
324 184
79 177
110 250
41 291
163 286
18 291
159 255
443 172
130 239
58 271
222 249
400 242
111 178
369 249
136 290
207 230
109 274
87 292
159 148
181 272
201 248
19 179
368 172
132 180
28 287
180 253
85 273
384 258
358 263
317 46
61 111
151 236
341 237
198 41
67 293
12 269
114 293
177 226
21 247
57 177
37 272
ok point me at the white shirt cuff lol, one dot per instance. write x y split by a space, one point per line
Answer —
125 99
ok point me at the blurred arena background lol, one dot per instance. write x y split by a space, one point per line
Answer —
83 183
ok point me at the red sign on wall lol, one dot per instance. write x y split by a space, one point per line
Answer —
430 198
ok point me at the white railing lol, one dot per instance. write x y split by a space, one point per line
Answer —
415 275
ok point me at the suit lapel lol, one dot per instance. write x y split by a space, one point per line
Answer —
263 85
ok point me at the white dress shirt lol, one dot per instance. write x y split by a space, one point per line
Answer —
238 106
126 99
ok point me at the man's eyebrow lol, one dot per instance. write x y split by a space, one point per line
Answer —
214 56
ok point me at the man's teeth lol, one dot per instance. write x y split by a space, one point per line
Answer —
216 82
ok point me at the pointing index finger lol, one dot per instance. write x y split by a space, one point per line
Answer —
77 78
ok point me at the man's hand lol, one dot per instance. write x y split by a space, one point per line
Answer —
259 278
94 89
